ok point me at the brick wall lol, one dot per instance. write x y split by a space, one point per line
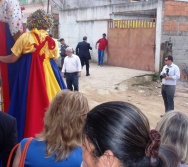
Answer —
175 26
175 16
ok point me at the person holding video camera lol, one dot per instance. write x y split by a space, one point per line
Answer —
169 75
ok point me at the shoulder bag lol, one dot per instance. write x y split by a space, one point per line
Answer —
23 155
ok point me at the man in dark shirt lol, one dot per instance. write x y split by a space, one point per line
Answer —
63 47
82 50
103 43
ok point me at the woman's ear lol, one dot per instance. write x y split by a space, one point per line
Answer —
109 159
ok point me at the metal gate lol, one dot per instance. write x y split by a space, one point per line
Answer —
131 43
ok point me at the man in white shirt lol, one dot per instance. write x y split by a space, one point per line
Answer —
169 75
71 69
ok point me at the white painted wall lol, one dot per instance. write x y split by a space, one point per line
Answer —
75 24
93 30
71 4
158 35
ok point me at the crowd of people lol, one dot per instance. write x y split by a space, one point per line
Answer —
112 134
71 63
65 131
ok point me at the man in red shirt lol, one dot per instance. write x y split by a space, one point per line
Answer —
103 42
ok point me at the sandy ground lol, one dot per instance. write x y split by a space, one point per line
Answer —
110 83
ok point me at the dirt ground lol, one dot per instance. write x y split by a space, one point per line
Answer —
110 83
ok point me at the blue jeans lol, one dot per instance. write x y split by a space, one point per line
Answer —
100 57
72 80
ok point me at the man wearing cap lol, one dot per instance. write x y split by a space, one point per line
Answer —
71 69
103 43
82 50
63 47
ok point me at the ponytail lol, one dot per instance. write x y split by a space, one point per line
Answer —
159 156
167 157
124 130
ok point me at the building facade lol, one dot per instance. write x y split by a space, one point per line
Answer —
78 18
31 6
175 28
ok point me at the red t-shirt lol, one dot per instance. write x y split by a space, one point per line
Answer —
103 42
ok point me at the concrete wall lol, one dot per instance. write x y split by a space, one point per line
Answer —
75 4
74 24
79 18
175 25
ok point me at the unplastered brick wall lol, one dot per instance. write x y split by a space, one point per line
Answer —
175 27
175 16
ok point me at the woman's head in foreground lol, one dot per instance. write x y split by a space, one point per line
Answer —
174 132
117 134
63 123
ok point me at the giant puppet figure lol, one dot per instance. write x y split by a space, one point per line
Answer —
10 30
37 79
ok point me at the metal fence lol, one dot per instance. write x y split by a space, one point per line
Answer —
133 23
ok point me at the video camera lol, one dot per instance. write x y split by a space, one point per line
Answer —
165 74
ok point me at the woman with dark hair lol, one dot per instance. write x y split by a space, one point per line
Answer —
118 134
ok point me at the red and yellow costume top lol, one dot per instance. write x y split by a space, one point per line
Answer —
37 80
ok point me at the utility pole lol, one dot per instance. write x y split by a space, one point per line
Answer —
48 4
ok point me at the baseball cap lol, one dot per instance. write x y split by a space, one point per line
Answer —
62 39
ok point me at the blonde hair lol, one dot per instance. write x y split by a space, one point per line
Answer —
174 132
63 123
